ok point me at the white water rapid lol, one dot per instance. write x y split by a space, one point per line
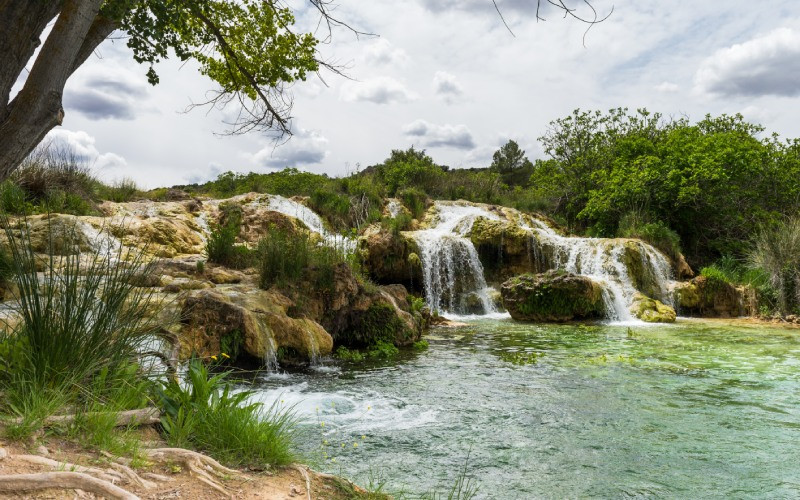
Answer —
453 277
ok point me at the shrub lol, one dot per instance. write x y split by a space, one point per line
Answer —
120 192
208 414
656 233
776 250
285 257
221 247
81 318
414 200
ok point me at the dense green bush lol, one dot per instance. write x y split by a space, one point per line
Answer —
414 199
221 247
710 182
120 191
656 233
286 257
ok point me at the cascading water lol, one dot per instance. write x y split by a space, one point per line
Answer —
311 220
452 272
603 260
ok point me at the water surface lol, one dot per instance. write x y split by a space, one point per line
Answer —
694 409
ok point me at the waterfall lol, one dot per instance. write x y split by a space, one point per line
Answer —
313 221
271 356
602 260
453 278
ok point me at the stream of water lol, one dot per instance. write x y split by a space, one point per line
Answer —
696 409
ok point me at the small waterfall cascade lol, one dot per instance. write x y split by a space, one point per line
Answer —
394 207
311 220
603 260
271 356
453 277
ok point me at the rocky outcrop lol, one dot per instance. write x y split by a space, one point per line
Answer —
243 322
651 310
552 297
389 257
713 298
506 249
359 313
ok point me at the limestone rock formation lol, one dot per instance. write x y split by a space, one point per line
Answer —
552 297
706 297
651 310
241 321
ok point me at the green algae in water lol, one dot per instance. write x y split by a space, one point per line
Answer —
695 409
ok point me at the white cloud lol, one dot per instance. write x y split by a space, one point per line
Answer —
84 147
111 92
382 51
446 87
380 90
667 87
305 147
766 65
433 135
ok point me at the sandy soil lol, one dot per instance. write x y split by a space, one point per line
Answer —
287 483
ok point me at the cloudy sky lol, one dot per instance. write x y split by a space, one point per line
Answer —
447 76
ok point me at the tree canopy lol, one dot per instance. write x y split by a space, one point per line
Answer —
249 48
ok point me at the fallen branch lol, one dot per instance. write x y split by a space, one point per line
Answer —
65 481
140 417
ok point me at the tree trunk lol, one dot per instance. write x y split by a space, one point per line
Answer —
38 108
21 25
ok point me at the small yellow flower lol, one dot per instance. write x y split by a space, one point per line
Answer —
225 356
342 445
322 424
214 358
369 408
363 437
355 445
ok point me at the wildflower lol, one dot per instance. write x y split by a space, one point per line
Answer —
355 445
214 358
363 437
225 356
322 424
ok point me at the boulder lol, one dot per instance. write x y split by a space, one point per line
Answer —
58 234
243 322
358 313
713 298
389 257
553 296
651 310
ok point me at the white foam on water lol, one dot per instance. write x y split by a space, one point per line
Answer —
348 411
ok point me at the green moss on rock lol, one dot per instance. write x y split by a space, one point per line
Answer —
651 310
554 296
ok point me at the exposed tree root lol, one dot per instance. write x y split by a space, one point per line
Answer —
63 480
198 464
305 475
103 481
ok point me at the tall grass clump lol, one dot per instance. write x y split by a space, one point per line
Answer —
776 250
206 413
52 178
414 200
81 317
286 257
120 191
221 247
